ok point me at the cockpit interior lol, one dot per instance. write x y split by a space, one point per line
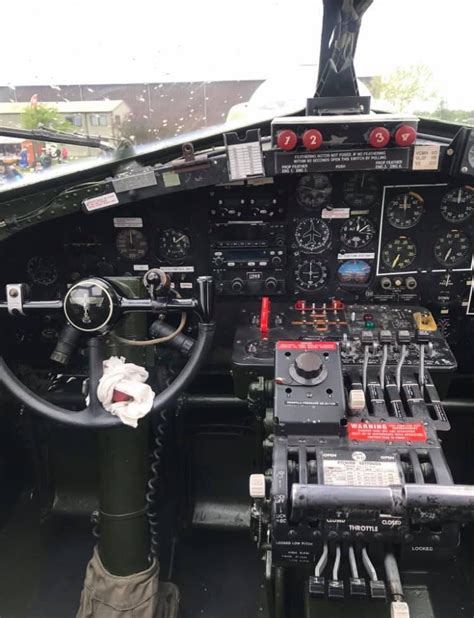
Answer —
236 371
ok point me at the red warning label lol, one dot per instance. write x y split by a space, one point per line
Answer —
392 432
329 346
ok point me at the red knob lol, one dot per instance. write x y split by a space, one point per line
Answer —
405 135
312 139
379 137
287 139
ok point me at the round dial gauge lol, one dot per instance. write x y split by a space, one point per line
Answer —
457 205
360 190
452 248
470 156
357 232
311 275
312 235
42 270
313 190
405 210
399 253
131 244
174 244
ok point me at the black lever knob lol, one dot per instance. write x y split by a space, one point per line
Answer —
308 365
207 294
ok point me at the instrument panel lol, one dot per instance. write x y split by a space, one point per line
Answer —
375 237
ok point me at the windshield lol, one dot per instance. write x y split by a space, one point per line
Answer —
159 72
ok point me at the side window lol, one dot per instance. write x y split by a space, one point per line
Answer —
74 119
103 120
94 118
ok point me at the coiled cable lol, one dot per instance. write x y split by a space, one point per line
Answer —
153 483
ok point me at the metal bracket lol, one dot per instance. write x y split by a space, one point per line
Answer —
15 297
188 151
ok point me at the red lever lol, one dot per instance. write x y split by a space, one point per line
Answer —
264 316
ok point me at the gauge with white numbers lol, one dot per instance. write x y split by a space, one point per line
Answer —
360 190
311 275
312 235
399 253
174 244
313 190
405 210
357 232
452 248
457 205
131 244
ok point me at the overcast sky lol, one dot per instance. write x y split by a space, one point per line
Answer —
97 41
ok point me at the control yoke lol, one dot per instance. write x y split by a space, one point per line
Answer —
93 306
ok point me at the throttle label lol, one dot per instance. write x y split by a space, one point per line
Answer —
387 432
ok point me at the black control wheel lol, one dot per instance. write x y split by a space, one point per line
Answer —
92 306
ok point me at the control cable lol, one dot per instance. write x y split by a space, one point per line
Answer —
421 377
403 355
322 561
383 365
353 562
364 368
337 562
369 567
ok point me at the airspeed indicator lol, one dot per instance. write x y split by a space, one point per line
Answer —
399 253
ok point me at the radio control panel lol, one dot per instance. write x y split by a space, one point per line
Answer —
248 243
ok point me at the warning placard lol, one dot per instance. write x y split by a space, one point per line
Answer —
391 432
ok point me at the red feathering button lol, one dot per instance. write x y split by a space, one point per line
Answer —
312 139
287 140
405 135
379 137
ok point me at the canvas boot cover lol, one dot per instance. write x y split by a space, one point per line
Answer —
110 596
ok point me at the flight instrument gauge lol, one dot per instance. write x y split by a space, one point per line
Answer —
174 244
42 270
131 244
405 210
452 248
313 190
311 275
312 235
457 205
399 253
360 190
357 232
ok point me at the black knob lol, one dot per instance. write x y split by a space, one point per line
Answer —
271 284
237 285
276 260
308 365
